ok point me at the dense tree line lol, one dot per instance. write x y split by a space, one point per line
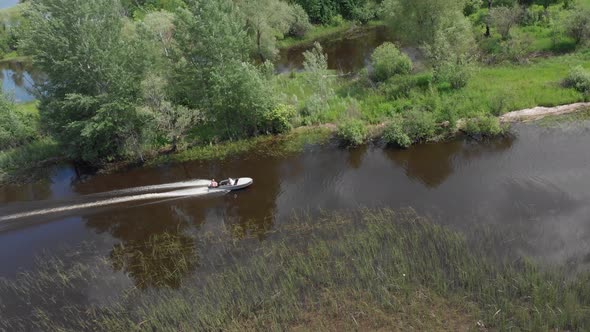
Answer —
128 77
117 86
324 11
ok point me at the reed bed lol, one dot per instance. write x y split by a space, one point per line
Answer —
363 270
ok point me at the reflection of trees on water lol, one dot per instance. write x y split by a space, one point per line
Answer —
253 213
432 164
355 156
475 149
22 75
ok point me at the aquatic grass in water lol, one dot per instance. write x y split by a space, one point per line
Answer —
269 145
395 267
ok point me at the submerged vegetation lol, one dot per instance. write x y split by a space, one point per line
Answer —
370 269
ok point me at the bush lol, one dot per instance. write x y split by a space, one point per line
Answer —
352 132
577 26
400 86
388 60
278 121
487 126
516 49
504 18
337 20
16 128
456 74
394 133
579 79
420 126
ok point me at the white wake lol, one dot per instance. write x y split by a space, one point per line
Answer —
193 192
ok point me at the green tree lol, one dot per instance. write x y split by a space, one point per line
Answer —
92 67
169 120
322 11
315 65
300 25
139 8
265 21
212 72
504 18
577 26
157 28
417 21
451 55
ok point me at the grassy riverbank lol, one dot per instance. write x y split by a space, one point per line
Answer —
292 142
357 270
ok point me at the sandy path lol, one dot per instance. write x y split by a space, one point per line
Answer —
537 113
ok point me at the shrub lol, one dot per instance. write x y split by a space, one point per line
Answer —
420 126
394 133
15 128
399 86
337 20
486 126
352 132
579 79
388 60
504 18
577 26
278 121
516 49
456 74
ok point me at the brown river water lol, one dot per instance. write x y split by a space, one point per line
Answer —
534 184
349 52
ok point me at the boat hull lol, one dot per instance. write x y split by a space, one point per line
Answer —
240 184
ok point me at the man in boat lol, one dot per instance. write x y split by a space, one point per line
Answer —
213 184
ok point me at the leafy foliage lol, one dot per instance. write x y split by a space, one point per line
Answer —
278 121
577 25
92 68
212 72
323 11
419 20
395 134
300 25
268 19
579 79
352 132
504 18
451 54
420 126
318 78
15 128
387 60
485 126
169 120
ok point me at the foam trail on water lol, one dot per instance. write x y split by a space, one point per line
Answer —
172 194
158 187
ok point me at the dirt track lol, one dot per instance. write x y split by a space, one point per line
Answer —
537 113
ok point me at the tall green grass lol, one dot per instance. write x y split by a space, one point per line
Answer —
491 91
377 269
24 161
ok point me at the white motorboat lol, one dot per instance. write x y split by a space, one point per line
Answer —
234 184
